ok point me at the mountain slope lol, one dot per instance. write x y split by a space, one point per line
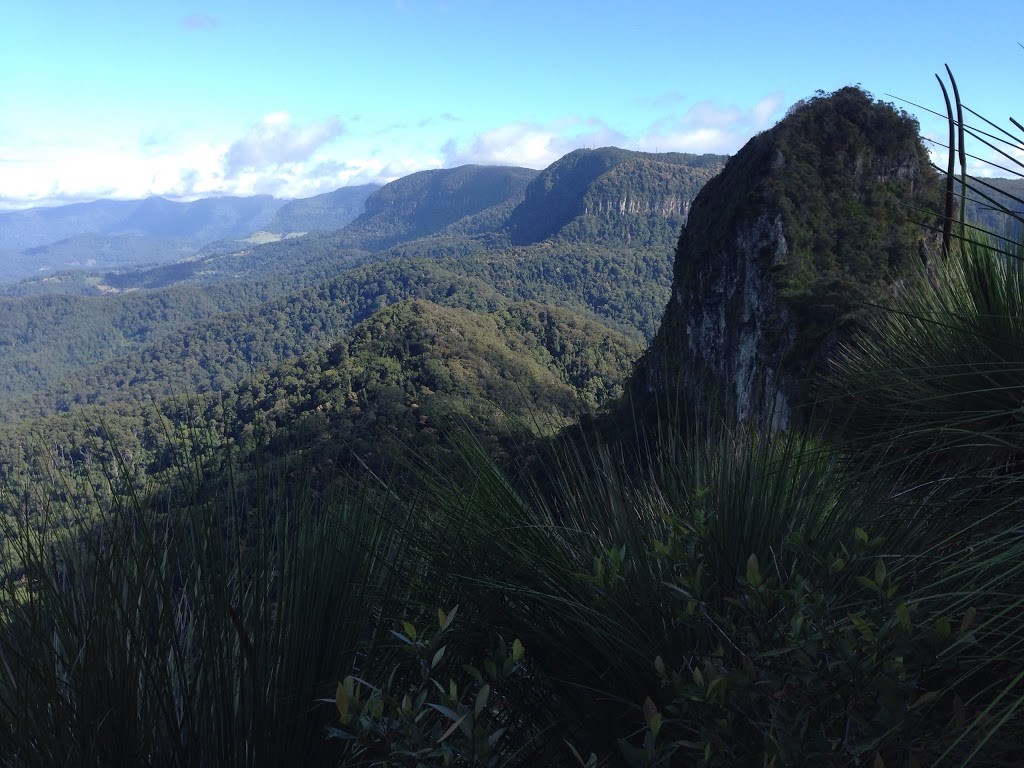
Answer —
327 212
428 202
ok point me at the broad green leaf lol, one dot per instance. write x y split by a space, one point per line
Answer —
481 700
410 630
903 614
863 627
650 710
449 618
342 700
655 725
437 657
517 650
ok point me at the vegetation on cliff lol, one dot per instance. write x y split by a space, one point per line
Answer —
806 225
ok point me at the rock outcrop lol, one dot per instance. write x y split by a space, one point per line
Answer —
592 194
808 223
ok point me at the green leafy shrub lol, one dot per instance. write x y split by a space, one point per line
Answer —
415 718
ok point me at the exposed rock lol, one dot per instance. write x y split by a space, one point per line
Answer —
806 224
591 194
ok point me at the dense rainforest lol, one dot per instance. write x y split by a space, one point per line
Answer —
640 459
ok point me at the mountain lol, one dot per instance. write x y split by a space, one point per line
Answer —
593 193
806 224
986 196
94 252
470 199
327 212
198 222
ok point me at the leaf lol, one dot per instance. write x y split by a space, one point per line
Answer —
343 700
863 627
650 710
903 614
862 535
925 698
575 753
442 617
659 665
698 678
481 700
753 571
879 762
437 657
879 572
495 736
451 728
448 619
968 620
517 650
796 624
655 725
864 581
410 630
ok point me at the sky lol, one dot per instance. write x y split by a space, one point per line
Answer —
103 99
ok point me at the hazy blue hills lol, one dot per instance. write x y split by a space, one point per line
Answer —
93 252
200 221
326 212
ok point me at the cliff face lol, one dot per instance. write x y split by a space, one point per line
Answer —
805 225
610 192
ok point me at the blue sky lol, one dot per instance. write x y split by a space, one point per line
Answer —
185 99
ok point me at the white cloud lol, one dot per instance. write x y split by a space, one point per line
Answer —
275 140
280 157
533 145
710 127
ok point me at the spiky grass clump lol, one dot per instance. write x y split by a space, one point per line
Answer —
199 633
584 573
937 379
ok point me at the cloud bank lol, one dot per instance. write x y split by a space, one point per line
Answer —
276 141
279 156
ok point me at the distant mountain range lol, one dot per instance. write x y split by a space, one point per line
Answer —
130 234
199 222
326 212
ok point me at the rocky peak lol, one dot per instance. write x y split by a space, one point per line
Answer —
782 250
